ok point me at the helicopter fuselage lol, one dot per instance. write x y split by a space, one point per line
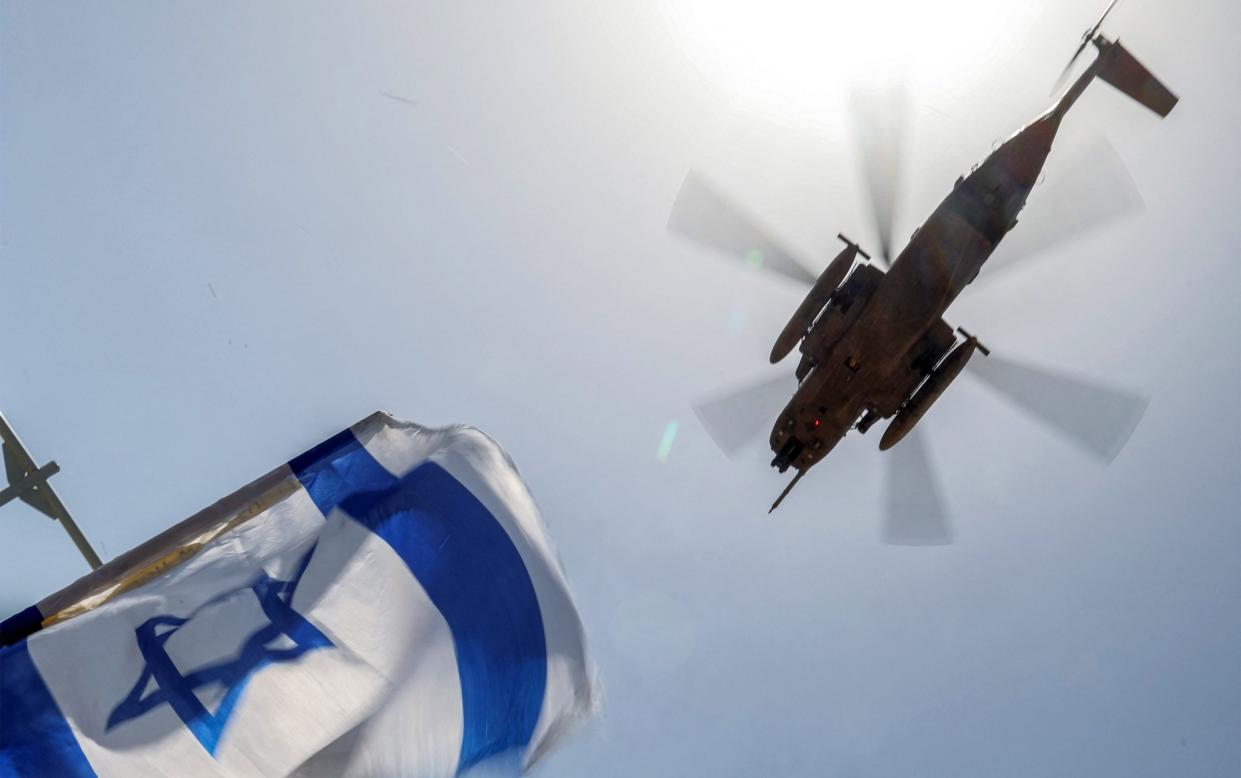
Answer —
882 334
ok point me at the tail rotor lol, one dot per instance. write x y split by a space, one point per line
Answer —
1087 37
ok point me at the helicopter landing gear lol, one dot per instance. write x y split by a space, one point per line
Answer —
867 421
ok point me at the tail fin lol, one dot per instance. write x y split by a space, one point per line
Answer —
1122 70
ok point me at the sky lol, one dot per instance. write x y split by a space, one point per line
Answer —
228 231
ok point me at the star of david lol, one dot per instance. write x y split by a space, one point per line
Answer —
179 691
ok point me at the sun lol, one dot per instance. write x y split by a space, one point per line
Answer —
798 57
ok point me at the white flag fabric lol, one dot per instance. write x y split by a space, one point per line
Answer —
386 604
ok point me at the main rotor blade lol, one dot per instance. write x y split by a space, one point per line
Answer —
738 417
1096 418
880 117
1092 190
707 217
914 512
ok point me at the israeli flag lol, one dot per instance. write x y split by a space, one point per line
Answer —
386 604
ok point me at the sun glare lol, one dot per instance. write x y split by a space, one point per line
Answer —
798 57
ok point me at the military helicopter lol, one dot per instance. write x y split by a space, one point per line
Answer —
873 342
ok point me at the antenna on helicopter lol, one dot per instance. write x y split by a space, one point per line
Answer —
29 484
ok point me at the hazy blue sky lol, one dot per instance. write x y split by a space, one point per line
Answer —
221 242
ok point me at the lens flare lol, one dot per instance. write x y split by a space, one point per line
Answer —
665 443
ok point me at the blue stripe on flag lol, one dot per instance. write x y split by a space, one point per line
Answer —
20 625
35 739
470 569
337 468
